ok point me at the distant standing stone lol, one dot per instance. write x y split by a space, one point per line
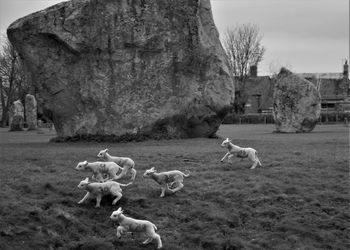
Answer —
16 116
31 112
297 103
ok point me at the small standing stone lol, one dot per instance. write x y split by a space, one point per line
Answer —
16 116
31 112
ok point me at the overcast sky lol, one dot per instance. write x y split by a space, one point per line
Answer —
304 35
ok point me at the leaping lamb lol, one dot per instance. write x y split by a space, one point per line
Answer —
98 190
128 224
234 150
171 180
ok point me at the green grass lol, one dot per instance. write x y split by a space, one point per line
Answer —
298 200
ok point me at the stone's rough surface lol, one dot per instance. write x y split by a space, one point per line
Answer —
127 67
297 103
31 112
16 116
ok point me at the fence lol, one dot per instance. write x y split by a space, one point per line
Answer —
327 117
256 118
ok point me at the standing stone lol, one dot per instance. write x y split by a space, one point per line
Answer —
297 103
16 116
31 112
127 67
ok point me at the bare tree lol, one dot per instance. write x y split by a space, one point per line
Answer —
244 49
13 84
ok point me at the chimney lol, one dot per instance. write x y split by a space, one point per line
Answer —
346 70
253 71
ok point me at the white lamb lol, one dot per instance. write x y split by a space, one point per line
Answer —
125 162
98 190
127 224
234 150
167 180
99 169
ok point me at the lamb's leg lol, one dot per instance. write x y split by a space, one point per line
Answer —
179 186
122 174
86 197
254 165
159 241
148 240
223 158
229 159
98 200
251 157
106 179
133 174
119 196
163 188
257 159
120 231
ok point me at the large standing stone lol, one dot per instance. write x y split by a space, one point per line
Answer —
117 67
16 116
31 112
297 103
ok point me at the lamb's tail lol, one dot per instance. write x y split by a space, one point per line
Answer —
154 226
187 173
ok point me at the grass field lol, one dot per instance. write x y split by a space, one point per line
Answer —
299 199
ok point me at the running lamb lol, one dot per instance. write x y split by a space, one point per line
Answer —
171 180
98 190
234 150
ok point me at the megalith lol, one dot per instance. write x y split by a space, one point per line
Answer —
127 67
31 112
297 103
16 116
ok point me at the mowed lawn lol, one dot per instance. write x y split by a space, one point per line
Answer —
299 199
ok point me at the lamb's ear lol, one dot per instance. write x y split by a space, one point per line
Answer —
106 149
152 168
85 163
119 210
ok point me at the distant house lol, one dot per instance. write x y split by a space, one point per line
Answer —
260 94
334 89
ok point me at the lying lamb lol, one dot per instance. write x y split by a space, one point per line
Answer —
125 162
98 190
99 169
167 180
127 224
234 150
